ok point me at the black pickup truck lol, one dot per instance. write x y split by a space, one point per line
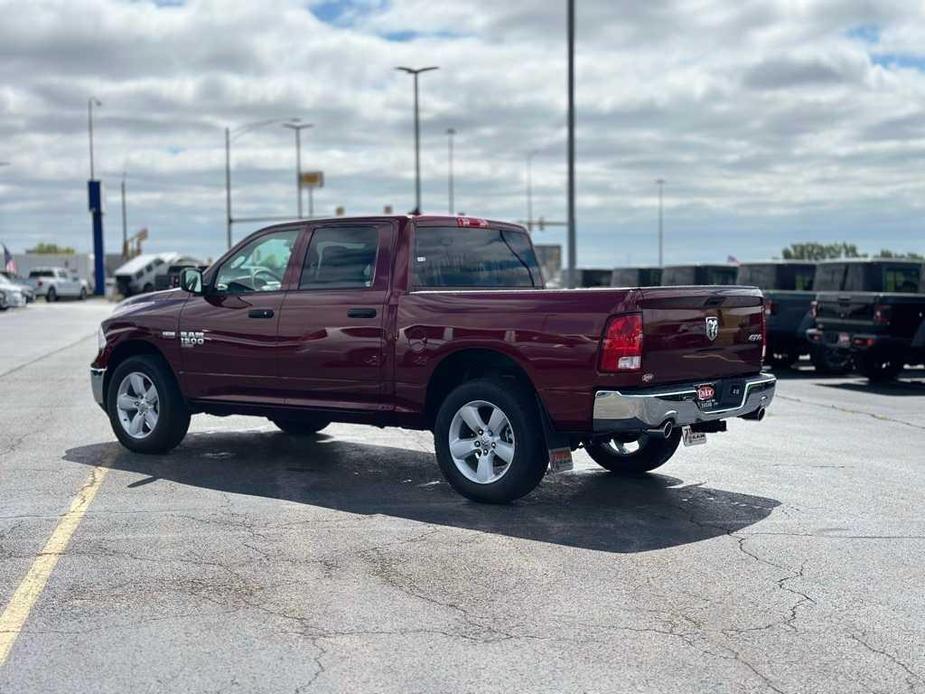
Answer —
688 275
868 313
788 295
636 277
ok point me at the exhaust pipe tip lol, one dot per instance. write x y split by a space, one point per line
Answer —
665 430
756 416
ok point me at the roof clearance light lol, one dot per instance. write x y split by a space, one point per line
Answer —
471 222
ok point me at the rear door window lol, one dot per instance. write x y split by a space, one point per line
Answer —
473 257
340 258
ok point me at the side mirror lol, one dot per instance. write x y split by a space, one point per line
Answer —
191 280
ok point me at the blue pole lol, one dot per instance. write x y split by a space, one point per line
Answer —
94 194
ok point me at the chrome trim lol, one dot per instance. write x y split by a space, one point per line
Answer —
645 409
97 376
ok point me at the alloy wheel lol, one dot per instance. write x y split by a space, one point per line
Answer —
481 442
138 405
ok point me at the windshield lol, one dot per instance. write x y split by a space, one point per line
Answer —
42 273
474 257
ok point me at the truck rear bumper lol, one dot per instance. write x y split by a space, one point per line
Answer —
650 408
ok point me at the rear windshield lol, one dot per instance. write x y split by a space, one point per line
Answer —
473 257
783 276
42 273
830 277
720 275
901 279
761 276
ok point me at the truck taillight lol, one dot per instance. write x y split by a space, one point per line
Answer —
814 309
770 307
882 314
621 346
764 335
471 222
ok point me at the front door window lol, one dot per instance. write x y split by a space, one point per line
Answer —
259 266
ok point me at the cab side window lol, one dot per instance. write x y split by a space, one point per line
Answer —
340 258
259 266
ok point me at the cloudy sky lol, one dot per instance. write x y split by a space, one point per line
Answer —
773 121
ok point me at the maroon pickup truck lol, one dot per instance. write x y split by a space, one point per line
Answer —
436 323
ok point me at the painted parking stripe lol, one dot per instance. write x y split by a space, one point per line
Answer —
28 592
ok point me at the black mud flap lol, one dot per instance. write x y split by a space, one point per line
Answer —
558 446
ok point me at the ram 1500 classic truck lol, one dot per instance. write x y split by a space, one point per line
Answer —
441 324
788 298
873 318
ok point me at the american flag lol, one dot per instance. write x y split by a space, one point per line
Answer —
9 265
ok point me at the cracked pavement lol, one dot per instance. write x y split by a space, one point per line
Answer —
785 556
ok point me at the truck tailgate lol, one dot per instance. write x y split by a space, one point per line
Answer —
693 332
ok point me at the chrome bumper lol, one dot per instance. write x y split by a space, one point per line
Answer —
96 385
636 410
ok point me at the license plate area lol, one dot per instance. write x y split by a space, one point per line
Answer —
560 460
692 438
726 394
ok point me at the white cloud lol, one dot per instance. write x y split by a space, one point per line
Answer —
773 121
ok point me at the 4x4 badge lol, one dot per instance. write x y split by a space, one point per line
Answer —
712 327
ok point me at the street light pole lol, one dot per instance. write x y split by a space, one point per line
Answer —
414 72
571 144
530 156
91 102
297 128
660 182
450 132
124 223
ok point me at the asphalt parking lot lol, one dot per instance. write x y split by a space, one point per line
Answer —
785 556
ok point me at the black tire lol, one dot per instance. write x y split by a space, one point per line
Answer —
304 426
830 362
148 288
879 368
653 451
51 295
173 416
83 293
529 462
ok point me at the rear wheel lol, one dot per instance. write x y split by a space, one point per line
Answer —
632 456
51 295
305 426
831 362
879 368
489 441
83 293
146 409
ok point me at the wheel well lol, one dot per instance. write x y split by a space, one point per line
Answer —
130 348
466 365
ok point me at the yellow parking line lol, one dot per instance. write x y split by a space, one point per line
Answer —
28 592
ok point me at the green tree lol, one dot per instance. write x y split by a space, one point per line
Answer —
820 251
886 253
50 249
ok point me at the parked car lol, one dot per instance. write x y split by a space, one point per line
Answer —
788 296
171 277
592 277
56 282
441 324
701 274
868 316
11 295
21 284
636 277
139 275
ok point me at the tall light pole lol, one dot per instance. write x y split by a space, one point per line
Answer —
530 156
297 128
414 72
229 135
660 182
571 144
91 102
450 132
124 223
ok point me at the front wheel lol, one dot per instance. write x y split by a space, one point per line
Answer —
633 456
146 409
83 293
51 295
489 441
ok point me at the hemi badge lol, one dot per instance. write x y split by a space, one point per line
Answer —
169 334
706 393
